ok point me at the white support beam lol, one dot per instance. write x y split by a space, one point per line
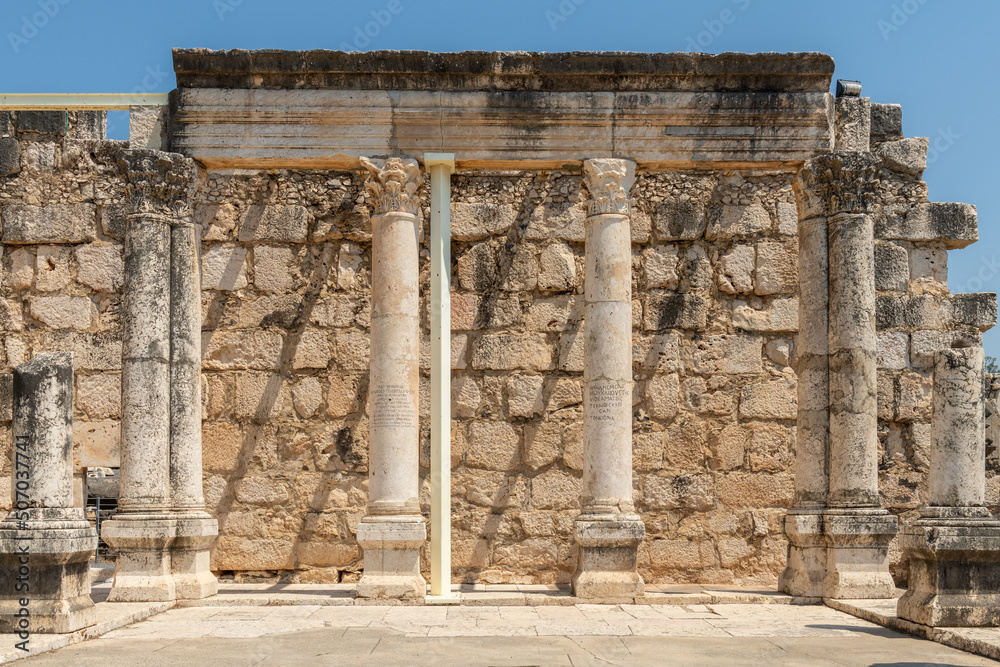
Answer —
441 166
80 101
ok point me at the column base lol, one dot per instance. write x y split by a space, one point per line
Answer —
608 557
807 551
142 558
954 573
58 576
392 557
858 554
190 557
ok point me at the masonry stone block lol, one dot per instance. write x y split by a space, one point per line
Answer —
886 122
679 220
288 223
737 221
10 156
55 223
474 221
668 310
43 122
892 268
908 156
955 225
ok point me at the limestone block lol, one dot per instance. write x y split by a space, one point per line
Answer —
886 121
459 351
312 350
274 269
100 267
63 312
697 270
263 491
556 267
913 310
6 396
335 310
915 393
659 263
10 156
493 446
478 268
892 269
669 310
929 268
224 268
237 553
564 393
852 124
780 351
261 396
779 315
55 223
505 352
908 156
22 269
287 223
90 125
736 270
465 397
686 444
43 122
342 395
11 318
553 313
770 399
39 157
736 221
562 220
710 397
91 352
352 350
99 396
147 127
955 225
523 272
524 395
96 444
893 350
975 310
234 350
474 221
770 447
542 443
732 354
647 452
656 353
680 492
663 396
307 397
777 272
555 490
682 554
676 220
52 268
788 219
349 266
572 443
728 447
754 489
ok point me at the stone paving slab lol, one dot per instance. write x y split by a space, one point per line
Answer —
583 634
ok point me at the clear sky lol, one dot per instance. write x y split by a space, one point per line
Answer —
937 58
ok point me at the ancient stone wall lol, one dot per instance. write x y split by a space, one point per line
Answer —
286 268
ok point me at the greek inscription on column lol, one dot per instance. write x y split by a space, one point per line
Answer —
605 400
392 407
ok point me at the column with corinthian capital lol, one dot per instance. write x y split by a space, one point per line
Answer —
393 530
608 530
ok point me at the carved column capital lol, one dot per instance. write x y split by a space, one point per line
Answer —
157 183
838 183
394 184
609 182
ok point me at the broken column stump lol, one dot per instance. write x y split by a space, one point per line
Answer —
45 542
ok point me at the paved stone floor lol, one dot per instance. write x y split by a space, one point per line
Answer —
577 635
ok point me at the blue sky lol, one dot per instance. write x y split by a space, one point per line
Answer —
938 59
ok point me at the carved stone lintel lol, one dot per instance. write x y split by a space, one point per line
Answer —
158 183
608 181
394 184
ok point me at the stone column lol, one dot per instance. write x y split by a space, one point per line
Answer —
45 542
393 531
954 547
161 511
608 530
806 566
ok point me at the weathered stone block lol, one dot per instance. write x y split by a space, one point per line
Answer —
659 264
22 269
743 489
224 268
779 315
555 490
739 222
656 353
43 122
886 121
55 223
90 125
556 267
312 350
892 268
561 220
99 396
852 124
736 270
274 269
232 350
52 270
63 312
908 156
274 222
96 444
679 220
663 396
686 445
668 310
975 310
474 221
777 272
493 446
893 350
505 352
955 225
905 311
11 318
524 395
770 399
681 492
10 156
726 353
100 267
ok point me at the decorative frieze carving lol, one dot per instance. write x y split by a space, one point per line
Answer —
608 181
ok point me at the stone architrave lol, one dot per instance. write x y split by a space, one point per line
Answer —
954 546
608 530
393 530
162 532
45 542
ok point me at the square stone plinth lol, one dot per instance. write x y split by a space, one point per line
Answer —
807 551
392 557
954 574
858 554
608 558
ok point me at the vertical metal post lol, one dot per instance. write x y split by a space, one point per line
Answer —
441 166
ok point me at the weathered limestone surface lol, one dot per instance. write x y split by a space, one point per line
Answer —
393 531
608 530
953 546
45 542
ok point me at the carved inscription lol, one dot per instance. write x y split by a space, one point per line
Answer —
392 407
605 401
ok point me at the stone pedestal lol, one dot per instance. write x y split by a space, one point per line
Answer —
858 554
608 531
162 532
807 553
954 547
45 542
393 531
